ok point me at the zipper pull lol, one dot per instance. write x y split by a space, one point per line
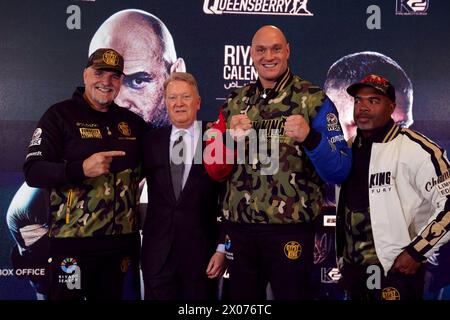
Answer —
68 205
109 131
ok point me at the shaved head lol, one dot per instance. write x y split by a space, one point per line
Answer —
149 53
143 26
269 30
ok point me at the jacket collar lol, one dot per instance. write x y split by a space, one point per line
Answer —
257 90
384 134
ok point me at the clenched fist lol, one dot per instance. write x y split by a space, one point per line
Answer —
296 127
99 163
240 125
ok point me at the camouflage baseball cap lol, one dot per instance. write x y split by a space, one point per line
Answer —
374 81
106 59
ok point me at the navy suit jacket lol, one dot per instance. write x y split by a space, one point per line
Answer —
187 226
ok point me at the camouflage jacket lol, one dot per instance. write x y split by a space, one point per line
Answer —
292 191
68 133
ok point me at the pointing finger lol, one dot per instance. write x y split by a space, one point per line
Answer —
112 153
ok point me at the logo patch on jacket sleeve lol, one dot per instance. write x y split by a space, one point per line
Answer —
441 183
36 138
332 122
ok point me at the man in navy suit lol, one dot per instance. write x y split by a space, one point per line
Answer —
180 234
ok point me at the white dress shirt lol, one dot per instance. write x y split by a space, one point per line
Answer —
190 138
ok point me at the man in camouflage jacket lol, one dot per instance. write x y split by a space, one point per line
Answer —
269 205
86 151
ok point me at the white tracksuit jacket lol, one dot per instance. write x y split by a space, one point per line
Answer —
409 197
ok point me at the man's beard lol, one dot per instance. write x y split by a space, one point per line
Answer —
102 102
